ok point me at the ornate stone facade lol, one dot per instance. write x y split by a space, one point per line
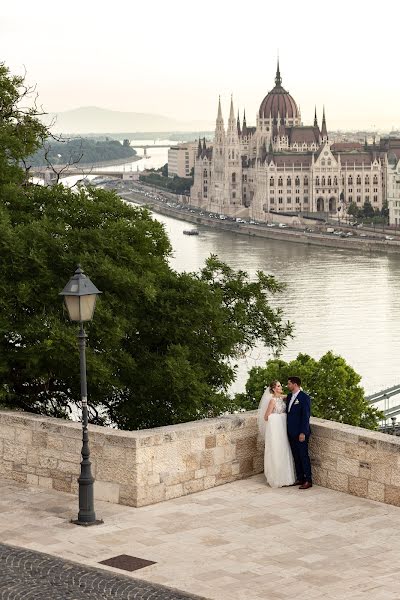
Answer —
281 165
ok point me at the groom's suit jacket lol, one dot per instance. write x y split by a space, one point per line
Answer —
298 418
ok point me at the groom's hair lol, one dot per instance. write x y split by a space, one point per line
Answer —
295 380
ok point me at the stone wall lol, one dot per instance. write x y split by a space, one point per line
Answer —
137 468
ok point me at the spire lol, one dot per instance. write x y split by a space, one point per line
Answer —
199 149
244 128
324 131
232 112
204 150
278 78
238 124
219 116
315 118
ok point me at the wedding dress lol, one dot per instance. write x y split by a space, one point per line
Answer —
278 459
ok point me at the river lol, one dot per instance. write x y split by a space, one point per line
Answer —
342 301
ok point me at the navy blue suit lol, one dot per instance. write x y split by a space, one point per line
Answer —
298 421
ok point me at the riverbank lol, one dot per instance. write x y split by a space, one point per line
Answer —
97 165
257 230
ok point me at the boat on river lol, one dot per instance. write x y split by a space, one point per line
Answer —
191 232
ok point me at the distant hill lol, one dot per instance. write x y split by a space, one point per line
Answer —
92 119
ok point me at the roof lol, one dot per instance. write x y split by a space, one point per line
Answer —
303 135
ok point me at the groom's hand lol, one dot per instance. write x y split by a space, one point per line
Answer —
302 437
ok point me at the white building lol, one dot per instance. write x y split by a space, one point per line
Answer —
393 187
281 165
181 159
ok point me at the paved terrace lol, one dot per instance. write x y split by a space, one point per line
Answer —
241 540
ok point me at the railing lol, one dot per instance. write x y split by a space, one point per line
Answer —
388 423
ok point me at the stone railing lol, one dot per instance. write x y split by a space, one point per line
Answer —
137 468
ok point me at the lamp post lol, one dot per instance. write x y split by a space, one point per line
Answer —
80 299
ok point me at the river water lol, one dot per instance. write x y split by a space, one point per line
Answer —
342 301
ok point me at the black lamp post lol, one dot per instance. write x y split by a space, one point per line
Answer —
80 299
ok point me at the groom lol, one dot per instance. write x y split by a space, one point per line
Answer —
298 409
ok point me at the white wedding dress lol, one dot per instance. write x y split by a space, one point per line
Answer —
278 460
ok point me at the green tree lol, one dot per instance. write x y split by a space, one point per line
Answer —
21 132
332 384
368 209
353 209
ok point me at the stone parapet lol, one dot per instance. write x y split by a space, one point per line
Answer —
138 468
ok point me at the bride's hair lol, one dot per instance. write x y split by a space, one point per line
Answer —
272 385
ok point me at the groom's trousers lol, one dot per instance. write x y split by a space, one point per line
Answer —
301 459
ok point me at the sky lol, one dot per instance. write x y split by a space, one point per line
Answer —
175 58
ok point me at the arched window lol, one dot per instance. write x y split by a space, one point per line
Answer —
323 182
375 179
329 181
335 180
317 181
367 180
289 181
306 180
280 182
350 180
233 177
358 180
271 182
297 181
205 173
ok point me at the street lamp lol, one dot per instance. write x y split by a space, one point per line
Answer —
80 299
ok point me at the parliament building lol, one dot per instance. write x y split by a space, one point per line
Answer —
282 165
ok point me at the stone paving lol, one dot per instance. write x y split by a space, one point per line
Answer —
239 541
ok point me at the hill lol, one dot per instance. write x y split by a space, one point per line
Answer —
92 119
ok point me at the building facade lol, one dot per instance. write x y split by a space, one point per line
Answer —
181 159
281 165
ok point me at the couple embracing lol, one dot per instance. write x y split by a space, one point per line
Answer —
284 421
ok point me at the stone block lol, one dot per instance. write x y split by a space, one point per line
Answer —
42 472
189 487
350 466
32 479
210 441
235 467
55 442
392 495
39 439
128 495
209 482
48 462
365 470
246 466
45 482
104 490
338 481
229 452
355 451
23 436
225 470
246 447
381 473
7 432
151 495
320 476
376 491
394 478
197 445
368 442
358 486
33 457
18 476
68 467
122 441
192 461
14 452
115 471
200 473
174 491
62 485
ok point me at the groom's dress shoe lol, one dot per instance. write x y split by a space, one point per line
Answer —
306 485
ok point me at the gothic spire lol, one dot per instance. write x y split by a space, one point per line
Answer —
232 112
315 118
324 131
199 149
219 116
278 78
238 124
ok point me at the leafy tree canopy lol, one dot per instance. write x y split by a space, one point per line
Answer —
332 384
83 150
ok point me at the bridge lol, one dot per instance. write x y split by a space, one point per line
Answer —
49 176
390 412
145 147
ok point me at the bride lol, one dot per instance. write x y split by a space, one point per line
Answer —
278 460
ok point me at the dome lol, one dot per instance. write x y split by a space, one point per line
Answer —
278 101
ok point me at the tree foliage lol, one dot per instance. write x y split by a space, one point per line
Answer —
85 150
332 384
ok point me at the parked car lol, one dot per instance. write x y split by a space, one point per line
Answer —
388 237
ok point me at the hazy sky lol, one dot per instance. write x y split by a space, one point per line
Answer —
175 57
